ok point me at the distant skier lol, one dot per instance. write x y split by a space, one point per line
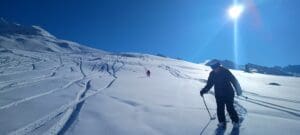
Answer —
221 78
148 73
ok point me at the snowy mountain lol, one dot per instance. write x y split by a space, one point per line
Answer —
34 38
53 86
290 70
267 70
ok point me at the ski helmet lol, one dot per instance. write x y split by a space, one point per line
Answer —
214 64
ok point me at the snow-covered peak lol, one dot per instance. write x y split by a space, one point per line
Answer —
10 28
14 36
43 32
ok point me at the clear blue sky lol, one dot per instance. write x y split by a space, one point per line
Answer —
194 30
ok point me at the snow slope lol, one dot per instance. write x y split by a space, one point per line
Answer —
79 90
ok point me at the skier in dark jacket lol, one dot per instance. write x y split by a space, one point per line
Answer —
221 78
148 73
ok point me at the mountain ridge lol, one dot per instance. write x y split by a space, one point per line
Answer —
35 38
290 70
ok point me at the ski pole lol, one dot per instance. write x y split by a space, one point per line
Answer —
211 118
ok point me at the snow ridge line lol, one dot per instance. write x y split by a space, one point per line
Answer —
37 96
67 115
36 124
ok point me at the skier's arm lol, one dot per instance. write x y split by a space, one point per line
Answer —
235 83
209 84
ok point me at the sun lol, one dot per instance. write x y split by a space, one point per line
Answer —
235 11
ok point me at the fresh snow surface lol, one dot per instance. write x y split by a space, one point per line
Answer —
75 90
51 93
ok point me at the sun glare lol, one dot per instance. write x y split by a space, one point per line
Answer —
235 11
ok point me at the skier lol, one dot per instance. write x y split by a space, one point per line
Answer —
221 78
148 73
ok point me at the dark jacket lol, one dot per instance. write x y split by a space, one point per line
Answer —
222 81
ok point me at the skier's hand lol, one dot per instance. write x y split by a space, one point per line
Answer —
239 92
201 93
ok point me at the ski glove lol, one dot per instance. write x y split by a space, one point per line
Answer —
239 92
202 92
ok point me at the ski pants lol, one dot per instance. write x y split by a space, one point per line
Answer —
221 103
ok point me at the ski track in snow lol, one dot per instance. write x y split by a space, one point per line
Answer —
205 127
270 106
242 111
70 110
69 116
273 98
15 85
36 79
71 113
23 71
80 67
16 81
30 64
38 95
32 126
176 73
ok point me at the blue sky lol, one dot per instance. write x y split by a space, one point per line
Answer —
194 30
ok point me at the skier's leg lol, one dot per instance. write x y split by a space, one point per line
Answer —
221 110
232 112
